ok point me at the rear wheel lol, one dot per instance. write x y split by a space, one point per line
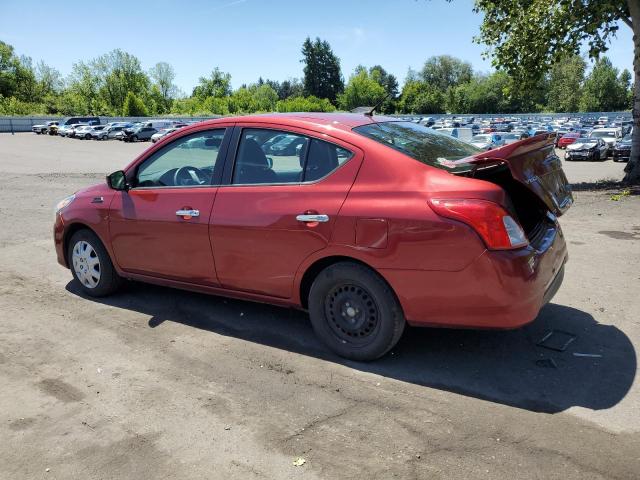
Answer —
354 312
91 266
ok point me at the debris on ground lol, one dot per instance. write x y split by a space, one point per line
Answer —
546 363
298 462
557 340
589 355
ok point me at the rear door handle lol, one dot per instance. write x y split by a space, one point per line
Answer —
188 213
307 218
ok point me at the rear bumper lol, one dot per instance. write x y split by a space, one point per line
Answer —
500 289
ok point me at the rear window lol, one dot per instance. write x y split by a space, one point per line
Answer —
421 143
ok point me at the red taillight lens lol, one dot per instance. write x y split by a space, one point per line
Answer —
497 228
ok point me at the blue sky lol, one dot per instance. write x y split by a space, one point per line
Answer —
252 38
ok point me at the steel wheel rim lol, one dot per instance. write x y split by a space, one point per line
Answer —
86 264
352 314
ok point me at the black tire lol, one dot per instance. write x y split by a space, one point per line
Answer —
354 312
596 157
109 280
134 138
87 136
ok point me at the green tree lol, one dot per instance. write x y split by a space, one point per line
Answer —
390 84
627 88
421 97
218 84
602 90
84 85
322 75
134 106
163 76
526 37
565 84
362 90
119 73
305 104
290 88
445 71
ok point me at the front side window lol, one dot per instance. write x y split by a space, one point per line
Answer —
187 161
272 156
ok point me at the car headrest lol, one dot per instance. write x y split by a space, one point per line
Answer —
322 159
252 155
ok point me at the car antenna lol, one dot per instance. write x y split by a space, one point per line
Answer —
377 105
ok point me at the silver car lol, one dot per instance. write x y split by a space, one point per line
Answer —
111 132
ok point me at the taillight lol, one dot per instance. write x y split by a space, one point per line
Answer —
495 226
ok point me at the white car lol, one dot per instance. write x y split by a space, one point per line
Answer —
83 132
609 135
43 128
166 131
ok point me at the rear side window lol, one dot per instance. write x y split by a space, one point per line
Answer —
421 143
280 157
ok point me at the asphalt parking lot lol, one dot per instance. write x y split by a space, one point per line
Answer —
160 383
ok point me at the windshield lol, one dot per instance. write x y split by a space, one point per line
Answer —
421 143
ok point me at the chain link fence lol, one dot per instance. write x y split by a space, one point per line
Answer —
24 124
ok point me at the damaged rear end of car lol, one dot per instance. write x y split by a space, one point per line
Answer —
511 197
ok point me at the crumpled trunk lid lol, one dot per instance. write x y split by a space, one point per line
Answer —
533 163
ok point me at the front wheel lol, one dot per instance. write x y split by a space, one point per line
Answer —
91 266
354 312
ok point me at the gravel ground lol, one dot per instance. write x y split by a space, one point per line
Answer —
160 383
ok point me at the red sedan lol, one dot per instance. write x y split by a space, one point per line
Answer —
368 223
567 139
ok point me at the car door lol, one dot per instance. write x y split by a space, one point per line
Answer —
275 209
159 227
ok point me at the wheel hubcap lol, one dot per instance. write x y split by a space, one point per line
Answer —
352 313
86 264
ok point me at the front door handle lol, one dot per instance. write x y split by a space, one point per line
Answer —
187 214
308 218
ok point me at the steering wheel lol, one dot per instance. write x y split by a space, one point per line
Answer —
185 176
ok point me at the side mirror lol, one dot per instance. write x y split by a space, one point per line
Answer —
270 162
118 181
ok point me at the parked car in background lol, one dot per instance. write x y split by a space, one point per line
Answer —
451 244
587 149
81 120
461 133
622 149
140 133
110 132
487 141
88 132
42 129
163 133
567 139
71 130
79 131
512 137
609 135
603 120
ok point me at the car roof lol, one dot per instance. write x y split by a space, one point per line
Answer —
343 121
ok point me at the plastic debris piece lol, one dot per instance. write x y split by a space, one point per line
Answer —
589 355
546 363
298 462
557 340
